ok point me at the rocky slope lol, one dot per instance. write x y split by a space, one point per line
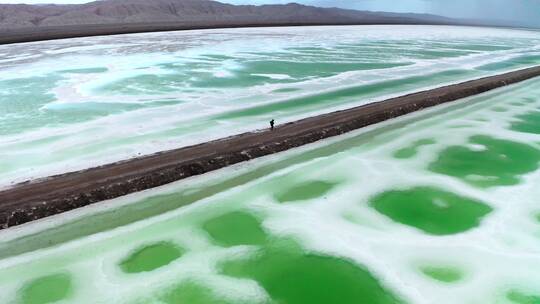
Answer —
17 16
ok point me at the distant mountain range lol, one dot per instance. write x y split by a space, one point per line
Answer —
21 22
149 11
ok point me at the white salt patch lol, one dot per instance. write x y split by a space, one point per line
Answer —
274 76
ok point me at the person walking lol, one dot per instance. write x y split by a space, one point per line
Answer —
272 122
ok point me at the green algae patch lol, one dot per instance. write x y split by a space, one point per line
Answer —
519 297
500 109
511 63
151 257
286 90
85 71
431 210
47 289
340 96
292 276
517 103
412 150
190 293
235 228
304 70
306 191
498 163
527 123
537 217
442 273
481 119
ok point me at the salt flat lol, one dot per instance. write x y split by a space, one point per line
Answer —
72 104
435 207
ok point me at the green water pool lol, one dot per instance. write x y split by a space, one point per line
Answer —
436 207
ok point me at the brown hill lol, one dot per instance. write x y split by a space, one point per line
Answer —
21 22
14 16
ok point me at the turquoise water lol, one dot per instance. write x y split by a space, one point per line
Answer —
96 100
435 207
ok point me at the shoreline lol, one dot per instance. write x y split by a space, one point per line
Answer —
41 198
34 34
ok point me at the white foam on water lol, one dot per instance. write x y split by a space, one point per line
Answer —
274 76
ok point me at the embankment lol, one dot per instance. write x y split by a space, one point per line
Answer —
41 198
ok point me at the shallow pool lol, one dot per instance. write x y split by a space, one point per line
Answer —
435 207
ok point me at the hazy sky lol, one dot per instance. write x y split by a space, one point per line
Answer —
517 10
